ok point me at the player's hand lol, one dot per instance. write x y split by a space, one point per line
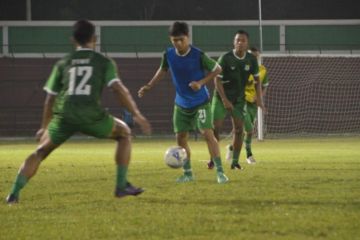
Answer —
39 134
196 86
143 123
142 90
228 105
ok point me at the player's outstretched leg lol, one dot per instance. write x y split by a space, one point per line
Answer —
229 153
29 168
249 155
182 141
217 129
122 134
214 151
249 129
237 143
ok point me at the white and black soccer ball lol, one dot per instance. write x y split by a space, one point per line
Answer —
175 157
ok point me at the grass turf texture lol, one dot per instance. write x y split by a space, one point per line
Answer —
299 189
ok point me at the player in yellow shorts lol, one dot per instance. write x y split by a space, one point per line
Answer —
251 107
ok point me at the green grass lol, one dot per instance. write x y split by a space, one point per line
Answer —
299 189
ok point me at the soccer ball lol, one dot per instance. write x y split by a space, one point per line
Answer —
175 157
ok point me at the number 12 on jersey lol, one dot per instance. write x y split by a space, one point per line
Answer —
83 72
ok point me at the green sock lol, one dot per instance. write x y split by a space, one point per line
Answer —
217 161
235 158
121 177
187 168
19 183
247 141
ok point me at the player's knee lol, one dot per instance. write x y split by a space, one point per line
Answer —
208 135
216 130
122 131
181 136
238 130
249 133
127 131
123 136
41 153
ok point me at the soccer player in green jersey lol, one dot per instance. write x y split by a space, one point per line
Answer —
187 65
251 106
229 96
73 105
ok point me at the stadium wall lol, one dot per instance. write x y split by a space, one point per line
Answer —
130 38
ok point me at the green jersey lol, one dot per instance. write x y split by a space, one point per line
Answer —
78 80
235 74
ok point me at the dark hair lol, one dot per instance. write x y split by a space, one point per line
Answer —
243 32
178 29
254 49
83 31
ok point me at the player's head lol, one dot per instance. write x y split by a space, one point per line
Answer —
179 36
241 41
256 52
84 33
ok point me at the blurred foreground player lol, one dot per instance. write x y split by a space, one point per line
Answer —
73 105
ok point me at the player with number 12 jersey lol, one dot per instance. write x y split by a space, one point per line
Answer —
78 80
73 105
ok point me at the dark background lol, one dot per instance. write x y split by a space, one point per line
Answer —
175 9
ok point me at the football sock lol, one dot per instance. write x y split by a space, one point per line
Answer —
248 146
217 161
121 176
19 183
187 168
235 158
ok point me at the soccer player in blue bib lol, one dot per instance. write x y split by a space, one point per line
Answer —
187 65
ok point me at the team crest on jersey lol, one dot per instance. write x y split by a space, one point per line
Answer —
232 68
247 67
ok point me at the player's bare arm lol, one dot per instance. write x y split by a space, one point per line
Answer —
47 114
220 89
258 89
196 85
160 73
128 102
263 89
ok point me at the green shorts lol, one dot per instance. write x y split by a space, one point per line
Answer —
219 112
60 130
250 117
185 120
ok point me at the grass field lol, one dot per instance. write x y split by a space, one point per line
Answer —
299 189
